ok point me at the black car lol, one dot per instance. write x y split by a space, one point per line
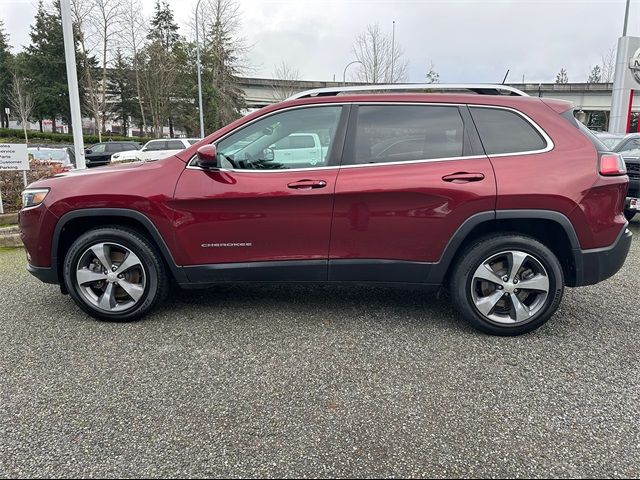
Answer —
100 154
629 148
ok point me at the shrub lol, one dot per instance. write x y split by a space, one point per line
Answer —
17 136
12 184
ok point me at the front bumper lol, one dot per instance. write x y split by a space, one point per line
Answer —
598 264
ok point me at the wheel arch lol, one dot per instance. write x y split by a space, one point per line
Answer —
77 222
551 228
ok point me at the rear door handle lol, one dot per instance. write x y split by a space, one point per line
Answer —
463 177
307 184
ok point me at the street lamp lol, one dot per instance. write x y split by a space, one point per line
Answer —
344 73
198 69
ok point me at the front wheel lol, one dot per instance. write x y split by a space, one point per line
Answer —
115 274
507 284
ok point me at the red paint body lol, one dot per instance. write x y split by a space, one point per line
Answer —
397 211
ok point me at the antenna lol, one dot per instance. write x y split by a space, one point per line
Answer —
505 77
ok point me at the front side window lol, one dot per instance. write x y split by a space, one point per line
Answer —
98 148
402 133
503 131
155 146
291 139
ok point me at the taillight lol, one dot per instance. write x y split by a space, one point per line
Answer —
612 164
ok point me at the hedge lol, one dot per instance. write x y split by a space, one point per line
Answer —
14 133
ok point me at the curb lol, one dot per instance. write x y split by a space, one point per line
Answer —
8 218
10 237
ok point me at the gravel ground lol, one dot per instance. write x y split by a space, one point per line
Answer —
317 381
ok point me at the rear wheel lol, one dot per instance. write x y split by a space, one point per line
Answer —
507 285
114 274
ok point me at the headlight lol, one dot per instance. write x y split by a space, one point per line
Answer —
33 197
115 155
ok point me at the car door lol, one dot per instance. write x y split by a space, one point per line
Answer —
153 150
256 218
398 201
98 153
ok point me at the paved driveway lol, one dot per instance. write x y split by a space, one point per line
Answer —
317 381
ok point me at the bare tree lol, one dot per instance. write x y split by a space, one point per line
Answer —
381 61
608 65
284 78
21 103
158 73
106 19
81 11
133 36
224 59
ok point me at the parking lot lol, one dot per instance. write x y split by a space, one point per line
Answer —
317 381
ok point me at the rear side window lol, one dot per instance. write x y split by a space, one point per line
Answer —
504 131
569 117
175 145
402 133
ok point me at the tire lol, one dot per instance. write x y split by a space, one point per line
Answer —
515 311
629 214
122 295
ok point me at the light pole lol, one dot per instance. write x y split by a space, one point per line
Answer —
344 73
198 69
626 19
393 48
72 80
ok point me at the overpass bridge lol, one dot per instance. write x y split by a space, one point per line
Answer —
594 99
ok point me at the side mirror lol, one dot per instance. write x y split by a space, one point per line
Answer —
87 151
208 156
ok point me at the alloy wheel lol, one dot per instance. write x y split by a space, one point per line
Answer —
510 287
110 277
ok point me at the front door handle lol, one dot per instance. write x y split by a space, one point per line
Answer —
307 184
463 177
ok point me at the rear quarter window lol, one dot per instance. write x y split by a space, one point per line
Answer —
504 131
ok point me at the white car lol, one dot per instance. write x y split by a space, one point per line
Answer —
154 150
297 148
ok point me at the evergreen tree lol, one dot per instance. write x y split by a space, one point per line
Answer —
164 28
596 75
562 76
123 89
45 64
221 59
6 67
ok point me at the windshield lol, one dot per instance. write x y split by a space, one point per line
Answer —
610 142
48 155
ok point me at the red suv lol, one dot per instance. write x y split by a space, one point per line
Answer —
502 197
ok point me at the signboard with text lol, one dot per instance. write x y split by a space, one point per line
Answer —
13 157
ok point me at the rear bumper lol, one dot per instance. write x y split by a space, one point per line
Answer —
598 264
44 274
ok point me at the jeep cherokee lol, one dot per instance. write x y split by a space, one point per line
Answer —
503 198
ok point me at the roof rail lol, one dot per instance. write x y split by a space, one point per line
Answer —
479 88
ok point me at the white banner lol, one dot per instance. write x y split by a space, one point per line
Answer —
13 156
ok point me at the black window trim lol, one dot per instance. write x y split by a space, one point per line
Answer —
549 143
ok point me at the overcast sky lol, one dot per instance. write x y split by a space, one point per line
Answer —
467 40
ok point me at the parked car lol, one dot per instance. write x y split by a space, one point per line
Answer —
629 147
508 200
99 154
632 161
611 140
61 158
154 150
